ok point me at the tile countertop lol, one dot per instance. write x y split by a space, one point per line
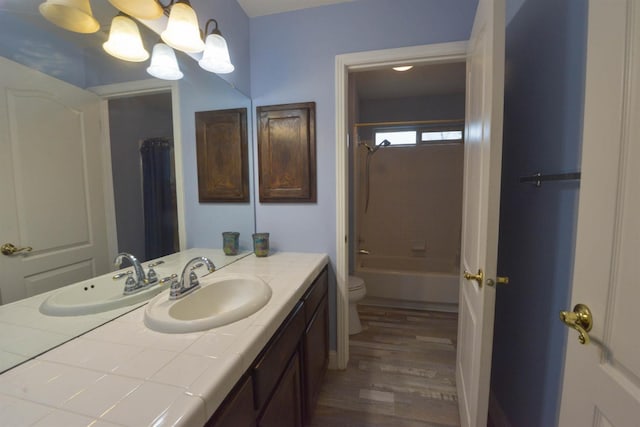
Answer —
26 332
124 374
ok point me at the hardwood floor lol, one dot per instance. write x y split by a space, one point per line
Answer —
401 373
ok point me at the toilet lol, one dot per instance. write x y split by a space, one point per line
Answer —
357 291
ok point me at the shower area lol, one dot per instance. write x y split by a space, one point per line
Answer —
407 160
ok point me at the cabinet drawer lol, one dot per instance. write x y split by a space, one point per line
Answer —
313 296
274 360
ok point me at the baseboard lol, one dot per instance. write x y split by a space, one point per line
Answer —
497 417
333 360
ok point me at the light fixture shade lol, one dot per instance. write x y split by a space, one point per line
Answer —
164 64
124 40
182 30
216 55
72 15
141 9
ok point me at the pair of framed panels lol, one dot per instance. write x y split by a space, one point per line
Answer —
286 154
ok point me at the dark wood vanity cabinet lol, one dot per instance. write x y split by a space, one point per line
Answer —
281 387
315 344
237 409
285 406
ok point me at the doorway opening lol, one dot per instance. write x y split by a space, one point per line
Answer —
143 174
384 134
346 145
406 169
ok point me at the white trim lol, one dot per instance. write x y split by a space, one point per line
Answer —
128 89
137 87
360 61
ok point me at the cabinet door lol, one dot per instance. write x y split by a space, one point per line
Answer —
237 409
316 357
285 407
275 359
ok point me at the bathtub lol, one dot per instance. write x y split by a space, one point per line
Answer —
412 279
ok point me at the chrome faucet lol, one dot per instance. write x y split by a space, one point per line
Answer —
188 279
141 281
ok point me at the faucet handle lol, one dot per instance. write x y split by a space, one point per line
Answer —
193 280
152 276
130 286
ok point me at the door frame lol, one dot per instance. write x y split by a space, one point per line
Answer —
363 61
125 90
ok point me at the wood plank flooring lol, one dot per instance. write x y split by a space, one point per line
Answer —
401 373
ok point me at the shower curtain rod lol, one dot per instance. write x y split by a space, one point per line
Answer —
413 122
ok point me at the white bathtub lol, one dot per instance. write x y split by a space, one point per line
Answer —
412 279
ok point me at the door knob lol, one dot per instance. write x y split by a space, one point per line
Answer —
579 319
10 249
478 277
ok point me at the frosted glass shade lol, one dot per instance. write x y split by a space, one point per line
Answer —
124 41
182 30
141 9
72 15
164 64
216 55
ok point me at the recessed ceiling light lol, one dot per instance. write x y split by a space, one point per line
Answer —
403 68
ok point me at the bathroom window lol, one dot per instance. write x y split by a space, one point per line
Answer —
403 137
420 135
448 135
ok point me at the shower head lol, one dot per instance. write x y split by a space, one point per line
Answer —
384 143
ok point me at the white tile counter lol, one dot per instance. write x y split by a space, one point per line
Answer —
124 374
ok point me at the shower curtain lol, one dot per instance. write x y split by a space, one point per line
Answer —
159 194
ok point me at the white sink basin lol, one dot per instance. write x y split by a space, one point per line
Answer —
95 296
224 299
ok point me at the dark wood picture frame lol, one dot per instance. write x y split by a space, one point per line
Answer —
222 156
287 152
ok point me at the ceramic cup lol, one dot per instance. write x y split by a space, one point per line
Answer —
230 242
261 244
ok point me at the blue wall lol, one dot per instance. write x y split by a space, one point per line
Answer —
544 91
293 60
234 25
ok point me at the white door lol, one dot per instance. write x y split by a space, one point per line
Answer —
481 206
602 379
50 183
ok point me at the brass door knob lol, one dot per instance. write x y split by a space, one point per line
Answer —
10 249
478 277
579 319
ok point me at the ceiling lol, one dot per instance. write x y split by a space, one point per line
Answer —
255 8
422 80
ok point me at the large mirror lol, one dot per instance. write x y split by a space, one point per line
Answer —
75 127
